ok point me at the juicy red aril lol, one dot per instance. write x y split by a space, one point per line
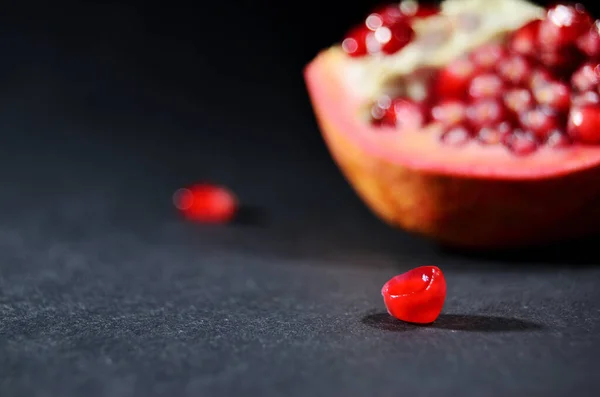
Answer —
355 43
416 296
520 142
589 42
540 76
414 9
453 80
524 40
556 95
395 37
518 99
487 85
558 139
456 135
564 23
449 112
540 121
487 56
494 134
408 114
586 77
587 97
486 112
515 69
384 16
583 124
380 111
206 203
563 61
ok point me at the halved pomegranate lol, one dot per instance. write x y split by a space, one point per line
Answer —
503 147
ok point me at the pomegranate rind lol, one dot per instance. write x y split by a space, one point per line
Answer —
470 196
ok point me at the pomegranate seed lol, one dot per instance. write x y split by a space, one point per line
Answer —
394 38
494 134
384 16
486 112
586 77
589 42
558 139
518 99
515 69
487 85
583 124
487 56
556 95
413 9
206 203
540 121
416 296
588 97
453 80
449 112
380 111
355 43
524 40
408 114
562 62
540 76
456 136
564 23
520 142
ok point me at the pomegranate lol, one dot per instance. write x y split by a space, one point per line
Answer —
501 147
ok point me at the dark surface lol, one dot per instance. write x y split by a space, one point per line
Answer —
105 291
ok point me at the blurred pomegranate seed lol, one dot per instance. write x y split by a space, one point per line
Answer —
563 25
206 203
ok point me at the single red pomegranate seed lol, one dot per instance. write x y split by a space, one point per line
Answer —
384 16
407 114
584 98
518 99
391 39
524 41
556 95
564 23
583 124
562 62
494 134
414 9
355 43
206 203
487 85
486 112
586 77
416 296
520 142
457 135
589 42
380 111
558 139
540 121
540 76
453 80
487 56
449 112
515 69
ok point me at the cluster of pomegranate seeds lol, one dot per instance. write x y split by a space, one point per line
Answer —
416 296
386 30
541 86
206 203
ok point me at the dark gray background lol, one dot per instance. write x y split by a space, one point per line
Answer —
105 291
